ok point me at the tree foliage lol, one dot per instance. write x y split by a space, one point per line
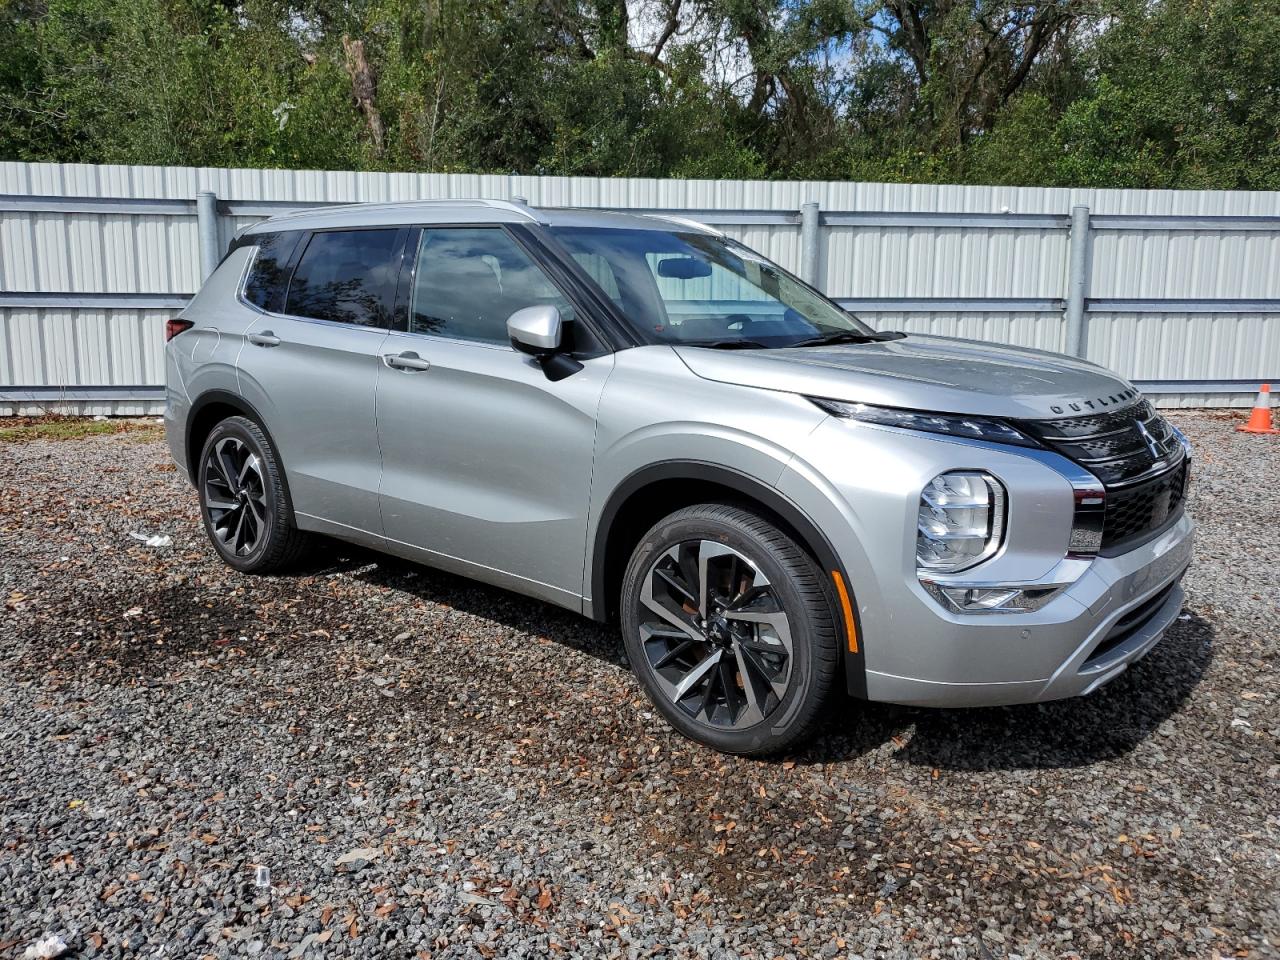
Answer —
1142 93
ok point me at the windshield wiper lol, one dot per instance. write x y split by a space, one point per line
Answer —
848 336
722 344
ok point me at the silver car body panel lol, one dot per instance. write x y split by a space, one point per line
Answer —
474 460
486 463
862 482
318 383
203 360
939 374
653 411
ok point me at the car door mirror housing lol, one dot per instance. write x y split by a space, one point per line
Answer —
537 331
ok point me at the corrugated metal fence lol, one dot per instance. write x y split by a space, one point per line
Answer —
1179 291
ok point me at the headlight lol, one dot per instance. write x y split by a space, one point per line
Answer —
960 521
951 424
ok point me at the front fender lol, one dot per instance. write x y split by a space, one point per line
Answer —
659 422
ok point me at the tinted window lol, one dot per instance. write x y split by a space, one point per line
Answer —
268 277
470 280
347 276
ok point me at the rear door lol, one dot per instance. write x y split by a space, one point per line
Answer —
310 364
486 462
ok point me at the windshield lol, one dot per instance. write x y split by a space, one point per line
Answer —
695 288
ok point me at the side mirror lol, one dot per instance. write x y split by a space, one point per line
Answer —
539 332
536 330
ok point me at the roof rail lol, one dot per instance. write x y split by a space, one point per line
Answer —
508 205
685 222
521 209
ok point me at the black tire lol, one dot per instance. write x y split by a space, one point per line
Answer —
279 544
796 587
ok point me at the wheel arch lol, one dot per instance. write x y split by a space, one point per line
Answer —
210 409
659 489
207 411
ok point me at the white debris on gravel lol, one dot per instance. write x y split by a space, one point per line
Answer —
48 946
165 727
359 854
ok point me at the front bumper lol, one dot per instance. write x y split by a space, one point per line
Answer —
1123 604
1107 612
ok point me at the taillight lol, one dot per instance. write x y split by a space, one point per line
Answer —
176 326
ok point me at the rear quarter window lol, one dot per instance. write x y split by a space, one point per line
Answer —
269 277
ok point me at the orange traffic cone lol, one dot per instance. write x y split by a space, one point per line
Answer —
1260 419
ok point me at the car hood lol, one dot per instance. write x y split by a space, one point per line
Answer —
940 374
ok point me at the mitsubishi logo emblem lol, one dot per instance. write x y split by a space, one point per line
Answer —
1152 447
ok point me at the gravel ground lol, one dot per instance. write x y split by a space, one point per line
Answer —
431 768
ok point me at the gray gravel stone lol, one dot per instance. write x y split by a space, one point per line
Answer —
167 725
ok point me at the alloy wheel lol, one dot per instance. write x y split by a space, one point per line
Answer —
715 634
235 495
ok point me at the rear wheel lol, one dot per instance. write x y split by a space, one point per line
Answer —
243 500
728 624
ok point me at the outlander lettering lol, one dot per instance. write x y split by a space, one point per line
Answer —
1125 396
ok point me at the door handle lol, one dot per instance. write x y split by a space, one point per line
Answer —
408 361
264 339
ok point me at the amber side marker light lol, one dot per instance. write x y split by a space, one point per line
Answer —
850 630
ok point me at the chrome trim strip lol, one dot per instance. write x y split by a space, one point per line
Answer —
1155 472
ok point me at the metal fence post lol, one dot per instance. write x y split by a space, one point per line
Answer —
809 245
207 224
1077 280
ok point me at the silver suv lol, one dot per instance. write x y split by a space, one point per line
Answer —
642 420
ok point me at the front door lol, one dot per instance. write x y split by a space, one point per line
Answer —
486 464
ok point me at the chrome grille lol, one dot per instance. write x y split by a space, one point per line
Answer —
1119 447
1138 457
1135 511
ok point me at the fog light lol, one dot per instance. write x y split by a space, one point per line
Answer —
993 599
960 521
980 599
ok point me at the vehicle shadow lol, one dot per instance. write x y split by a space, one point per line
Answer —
1067 733
1064 733
510 609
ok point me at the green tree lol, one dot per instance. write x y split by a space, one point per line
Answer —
1188 96
1181 93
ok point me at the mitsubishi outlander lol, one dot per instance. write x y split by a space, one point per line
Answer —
640 419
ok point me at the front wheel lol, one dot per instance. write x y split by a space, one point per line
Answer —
728 624
243 499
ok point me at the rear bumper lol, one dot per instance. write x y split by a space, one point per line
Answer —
176 412
1125 604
